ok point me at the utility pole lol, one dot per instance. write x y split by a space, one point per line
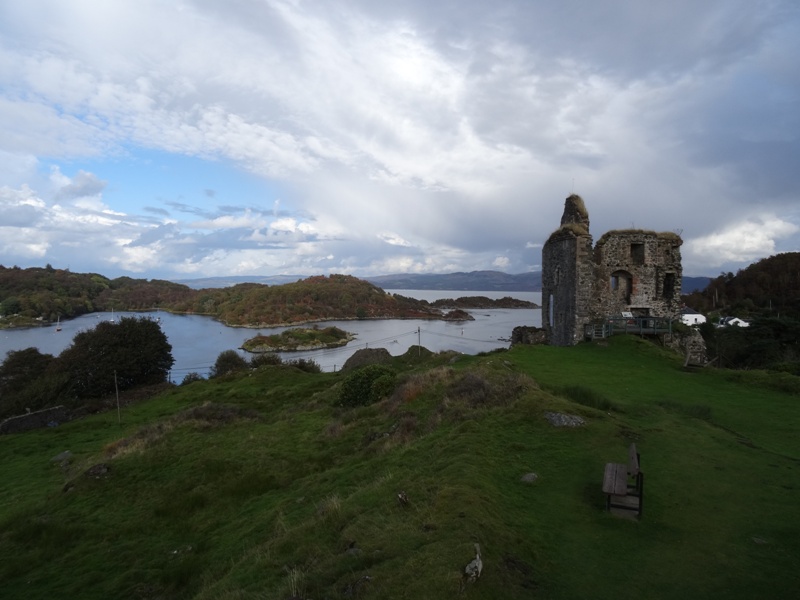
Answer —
116 389
419 341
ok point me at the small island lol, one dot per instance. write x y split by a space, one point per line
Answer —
482 302
298 339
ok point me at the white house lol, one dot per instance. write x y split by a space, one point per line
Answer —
689 316
732 322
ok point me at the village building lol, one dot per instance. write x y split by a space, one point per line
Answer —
629 274
690 316
732 322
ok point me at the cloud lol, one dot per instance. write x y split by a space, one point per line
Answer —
406 135
501 262
393 239
742 242
246 220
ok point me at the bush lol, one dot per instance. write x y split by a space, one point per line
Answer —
264 359
306 364
366 386
228 361
191 378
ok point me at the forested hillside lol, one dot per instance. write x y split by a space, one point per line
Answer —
769 287
46 294
314 299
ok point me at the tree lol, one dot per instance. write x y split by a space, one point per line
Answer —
10 306
21 375
134 351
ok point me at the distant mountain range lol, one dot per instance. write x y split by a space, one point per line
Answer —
474 281
221 282
694 284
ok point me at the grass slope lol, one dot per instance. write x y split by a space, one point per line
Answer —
260 487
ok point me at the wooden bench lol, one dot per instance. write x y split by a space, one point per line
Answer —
624 484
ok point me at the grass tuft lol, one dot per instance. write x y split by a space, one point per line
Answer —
694 411
330 507
587 397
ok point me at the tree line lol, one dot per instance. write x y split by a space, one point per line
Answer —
767 288
767 294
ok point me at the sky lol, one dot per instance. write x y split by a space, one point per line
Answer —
180 139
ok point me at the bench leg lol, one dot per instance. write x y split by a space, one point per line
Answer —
640 482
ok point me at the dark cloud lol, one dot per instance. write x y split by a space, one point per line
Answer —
157 211
82 185
157 234
189 209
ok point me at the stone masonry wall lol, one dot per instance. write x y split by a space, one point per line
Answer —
35 420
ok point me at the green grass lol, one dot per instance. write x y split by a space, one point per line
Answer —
259 486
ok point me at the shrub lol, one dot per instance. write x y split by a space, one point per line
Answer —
228 361
366 386
265 359
306 364
191 378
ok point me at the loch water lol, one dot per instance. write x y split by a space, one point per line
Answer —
198 340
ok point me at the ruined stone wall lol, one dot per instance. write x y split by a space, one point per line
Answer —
634 271
637 271
35 420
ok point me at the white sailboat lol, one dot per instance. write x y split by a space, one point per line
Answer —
58 323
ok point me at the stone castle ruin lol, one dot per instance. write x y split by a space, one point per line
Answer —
629 274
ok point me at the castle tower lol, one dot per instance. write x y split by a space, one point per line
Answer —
568 276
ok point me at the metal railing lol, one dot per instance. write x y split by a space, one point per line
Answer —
635 325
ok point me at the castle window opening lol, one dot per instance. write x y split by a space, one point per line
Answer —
669 286
637 254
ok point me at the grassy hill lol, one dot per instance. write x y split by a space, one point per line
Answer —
259 486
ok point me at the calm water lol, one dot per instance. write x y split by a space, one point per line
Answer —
197 341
